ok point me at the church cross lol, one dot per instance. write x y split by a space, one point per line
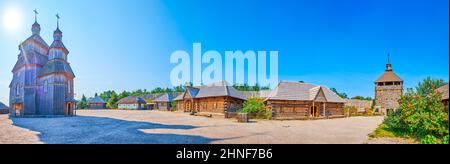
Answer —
35 14
57 20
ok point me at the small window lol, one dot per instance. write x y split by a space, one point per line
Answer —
45 86
69 87
18 89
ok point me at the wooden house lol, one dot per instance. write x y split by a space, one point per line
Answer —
295 100
217 97
3 108
164 101
445 95
149 104
131 103
96 103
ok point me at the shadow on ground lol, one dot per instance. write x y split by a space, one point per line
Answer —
99 130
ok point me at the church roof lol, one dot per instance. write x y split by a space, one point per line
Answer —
56 66
389 76
32 57
302 92
3 106
444 91
36 38
60 45
97 100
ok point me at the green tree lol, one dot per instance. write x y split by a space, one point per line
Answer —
362 98
82 104
429 85
112 102
421 114
123 95
342 95
106 95
179 89
256 107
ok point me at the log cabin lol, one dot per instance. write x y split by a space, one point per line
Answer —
96 103
218 98
149 104
164 101
295 100
131 103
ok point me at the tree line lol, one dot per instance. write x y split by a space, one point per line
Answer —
112 97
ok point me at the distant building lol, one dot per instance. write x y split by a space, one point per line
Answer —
42 82
445 94
131 103
388 90
149 104
3 108
361 105
164 102
218 97
96 103
263 94
295 100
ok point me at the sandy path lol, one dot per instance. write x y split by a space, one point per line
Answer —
164 127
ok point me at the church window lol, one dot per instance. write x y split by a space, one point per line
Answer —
18 89
69 88
45 86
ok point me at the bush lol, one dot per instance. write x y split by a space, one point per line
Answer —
429 139
369 112
351 111
421 117
256 107
445 140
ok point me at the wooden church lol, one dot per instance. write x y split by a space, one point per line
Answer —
42 83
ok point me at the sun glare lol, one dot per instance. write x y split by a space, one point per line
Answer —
12 19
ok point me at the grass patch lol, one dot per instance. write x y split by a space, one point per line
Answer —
383 131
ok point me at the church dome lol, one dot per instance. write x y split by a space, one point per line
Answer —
36 28
57 35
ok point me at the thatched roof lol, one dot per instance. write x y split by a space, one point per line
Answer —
303 92
444 91
3 106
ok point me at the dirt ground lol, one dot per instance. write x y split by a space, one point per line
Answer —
155 127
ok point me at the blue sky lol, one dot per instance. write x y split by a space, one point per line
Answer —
126 45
